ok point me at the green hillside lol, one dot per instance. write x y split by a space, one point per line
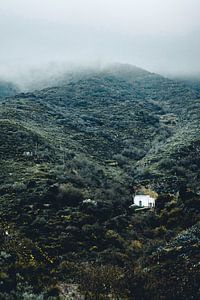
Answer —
98 137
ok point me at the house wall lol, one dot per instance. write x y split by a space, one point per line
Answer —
144 201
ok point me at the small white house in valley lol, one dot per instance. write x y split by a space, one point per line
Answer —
144 201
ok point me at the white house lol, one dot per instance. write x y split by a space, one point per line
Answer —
93 202
144 201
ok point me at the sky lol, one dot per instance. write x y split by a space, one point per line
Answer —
159 35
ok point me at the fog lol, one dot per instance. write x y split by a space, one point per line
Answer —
160 36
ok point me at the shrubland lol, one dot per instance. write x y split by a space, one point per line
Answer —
71 158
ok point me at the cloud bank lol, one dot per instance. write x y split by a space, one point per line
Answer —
161 36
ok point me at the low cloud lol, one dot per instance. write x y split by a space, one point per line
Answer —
161 36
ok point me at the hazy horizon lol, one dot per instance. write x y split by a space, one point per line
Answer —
159 36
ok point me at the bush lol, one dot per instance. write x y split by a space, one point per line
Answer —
162 200
68 195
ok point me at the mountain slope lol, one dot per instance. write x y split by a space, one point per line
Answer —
71 156
102 117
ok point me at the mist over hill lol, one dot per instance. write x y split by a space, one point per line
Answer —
98 134
8 89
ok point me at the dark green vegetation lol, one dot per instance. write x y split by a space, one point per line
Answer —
96 137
